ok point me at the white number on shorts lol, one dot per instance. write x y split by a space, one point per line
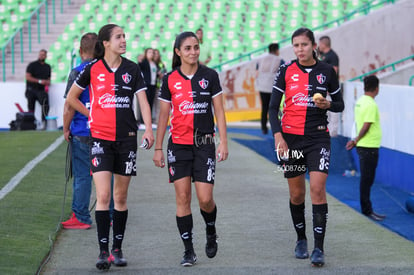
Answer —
322 163
210 174
128 167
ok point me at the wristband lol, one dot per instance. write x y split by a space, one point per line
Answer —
157 149
39 81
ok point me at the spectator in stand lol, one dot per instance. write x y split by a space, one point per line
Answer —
37 84
205 49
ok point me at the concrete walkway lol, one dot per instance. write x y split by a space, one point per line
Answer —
256 234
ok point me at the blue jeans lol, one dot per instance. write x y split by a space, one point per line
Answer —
82 181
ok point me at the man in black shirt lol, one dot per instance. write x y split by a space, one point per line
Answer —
327 54
37 81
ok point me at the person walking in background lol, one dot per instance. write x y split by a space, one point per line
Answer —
191 91
302 139
113 81
37 83
205 49
327 54
76 132
266 69
149 70
367 142
160 73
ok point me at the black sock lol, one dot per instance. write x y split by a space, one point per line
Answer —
298 217
103 224
320 215
118 227
185 226
210 220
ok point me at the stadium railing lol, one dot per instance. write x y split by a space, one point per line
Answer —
393 67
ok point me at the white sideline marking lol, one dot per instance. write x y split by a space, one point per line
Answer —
29 166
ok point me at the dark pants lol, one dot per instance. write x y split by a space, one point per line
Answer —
265 97
42 97
368 159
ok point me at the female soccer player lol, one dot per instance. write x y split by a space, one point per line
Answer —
113 81
302 138
191 91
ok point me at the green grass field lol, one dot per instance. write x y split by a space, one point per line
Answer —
32 211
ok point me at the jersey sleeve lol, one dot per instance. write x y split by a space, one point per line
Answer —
216 87
140 83
337 104
72 77
165 93
279 86
84 78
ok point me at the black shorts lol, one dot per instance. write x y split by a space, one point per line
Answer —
197 161
118 157
306 153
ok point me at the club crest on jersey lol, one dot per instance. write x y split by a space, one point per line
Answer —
126 78
321 78
203 83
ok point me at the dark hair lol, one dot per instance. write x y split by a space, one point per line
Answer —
88 41
371 82
103 35
327 40
176 61
273 47
309 34
145 52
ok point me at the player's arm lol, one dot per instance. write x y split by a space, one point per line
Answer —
222 150
146 115
163 116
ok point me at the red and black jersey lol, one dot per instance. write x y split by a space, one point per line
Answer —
299 84
191 102
111 115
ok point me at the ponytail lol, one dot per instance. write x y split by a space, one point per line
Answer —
99 51
103 35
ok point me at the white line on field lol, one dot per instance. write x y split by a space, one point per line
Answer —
26 170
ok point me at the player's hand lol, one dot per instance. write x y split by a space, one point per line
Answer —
158 158
149 136
281 147
222 152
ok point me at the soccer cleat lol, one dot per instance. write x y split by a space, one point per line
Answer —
301 249
104 262
189 258
211 245
317 258
74 223
117 258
